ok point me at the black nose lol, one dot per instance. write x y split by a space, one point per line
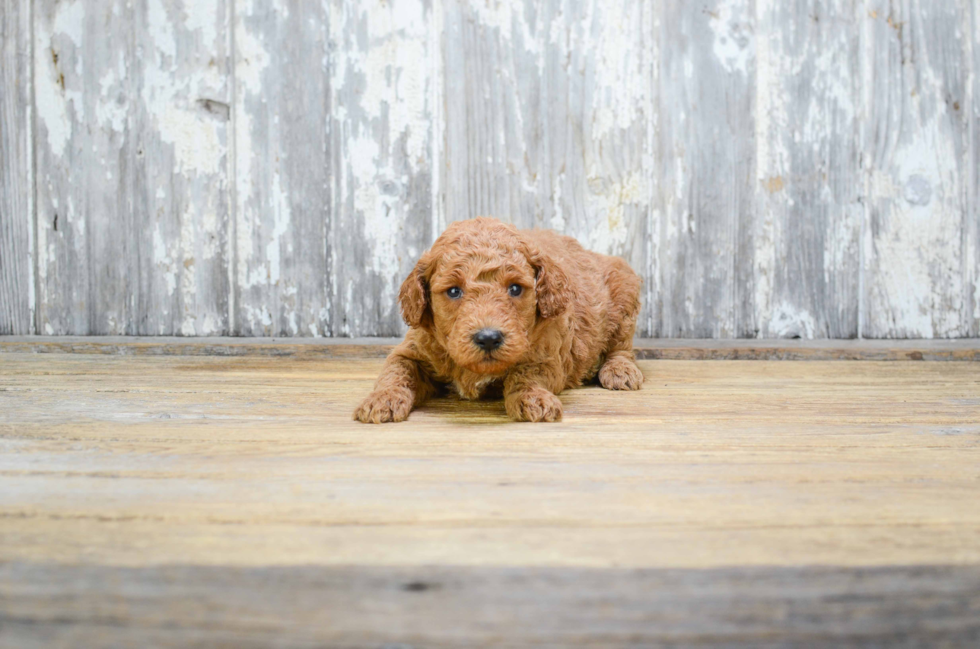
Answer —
488 339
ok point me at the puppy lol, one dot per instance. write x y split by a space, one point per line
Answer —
526 312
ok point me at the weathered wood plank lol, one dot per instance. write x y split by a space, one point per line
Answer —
86 278
193 606
132 167
137 461
384 90
308 348
232 500
549 120
495 104
971 256
728 168
283 169
707 145
805 259
916 156
16 171
182 178
966 349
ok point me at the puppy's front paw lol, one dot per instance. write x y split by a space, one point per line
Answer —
384 406
620 373
535 404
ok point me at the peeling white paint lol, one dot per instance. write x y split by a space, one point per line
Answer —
557 215
622 79
265 317
51 106
835 87
393 77
611 228
914 260
161 30
93 90
246 217
251 63
164 260
380 212
436 105
389 67
281 216
170 99
504 16
210 327
389 90
188 269
199 17
51 99
77 221
788 321
196 145
252 59
69 20
731 25
771 156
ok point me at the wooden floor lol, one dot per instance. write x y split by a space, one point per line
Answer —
188 501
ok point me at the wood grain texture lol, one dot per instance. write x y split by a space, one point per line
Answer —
16 171
549 118
223 500
772 169
660 349
363 606
806 231
708 186
916 149
89 166
283 165
182 181
971 257
132 167
255 461
384 78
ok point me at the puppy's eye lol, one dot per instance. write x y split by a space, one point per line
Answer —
455 293
515 290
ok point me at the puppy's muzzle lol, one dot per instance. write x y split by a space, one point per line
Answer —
488 339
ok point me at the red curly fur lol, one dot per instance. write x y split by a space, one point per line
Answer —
574 319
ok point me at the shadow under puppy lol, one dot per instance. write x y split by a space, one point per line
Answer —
528 311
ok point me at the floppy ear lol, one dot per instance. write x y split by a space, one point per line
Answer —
414 296
551 283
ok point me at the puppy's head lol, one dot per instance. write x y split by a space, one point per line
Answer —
481 290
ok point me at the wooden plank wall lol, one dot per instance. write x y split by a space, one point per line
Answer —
16 171
233 167
132 144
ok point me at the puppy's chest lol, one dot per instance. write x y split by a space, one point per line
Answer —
474 386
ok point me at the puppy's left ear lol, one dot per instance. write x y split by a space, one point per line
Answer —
414 296
551 282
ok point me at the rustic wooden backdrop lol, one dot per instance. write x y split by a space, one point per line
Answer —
774 168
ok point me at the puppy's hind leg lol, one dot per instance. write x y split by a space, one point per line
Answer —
619 371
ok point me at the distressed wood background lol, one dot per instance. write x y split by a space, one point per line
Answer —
803 168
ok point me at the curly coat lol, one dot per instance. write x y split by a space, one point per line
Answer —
552 315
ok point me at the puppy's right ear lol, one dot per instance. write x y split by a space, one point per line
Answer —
414 296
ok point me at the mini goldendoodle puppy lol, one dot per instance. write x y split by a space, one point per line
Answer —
528 312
